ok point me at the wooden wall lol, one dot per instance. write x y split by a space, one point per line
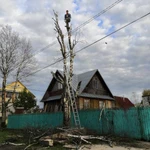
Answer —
82 103
52 106
85 103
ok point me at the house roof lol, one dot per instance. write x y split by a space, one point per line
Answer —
104 97
57 97
85 78
124 102
19 87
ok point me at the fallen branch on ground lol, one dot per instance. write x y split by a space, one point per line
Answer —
30 145
10 143
16 144
38 137
89 137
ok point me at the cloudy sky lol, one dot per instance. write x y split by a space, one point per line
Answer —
123 58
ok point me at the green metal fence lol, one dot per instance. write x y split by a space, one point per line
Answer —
35 120
133 123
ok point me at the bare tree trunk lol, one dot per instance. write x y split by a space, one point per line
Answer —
66 104
67 72
66 107
65 96
3 124
15 58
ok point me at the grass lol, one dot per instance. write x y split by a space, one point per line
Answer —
6 134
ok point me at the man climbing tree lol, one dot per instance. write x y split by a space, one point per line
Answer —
67 18
66 81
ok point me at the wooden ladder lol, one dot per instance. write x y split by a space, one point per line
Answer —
74 108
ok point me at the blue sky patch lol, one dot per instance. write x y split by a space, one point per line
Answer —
77 5
100 24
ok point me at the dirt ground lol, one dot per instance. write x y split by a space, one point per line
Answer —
106 147
139 145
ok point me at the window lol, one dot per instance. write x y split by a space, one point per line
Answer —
81 104
95 83
101 104
86 103
9 94
59 86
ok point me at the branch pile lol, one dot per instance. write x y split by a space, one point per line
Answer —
78 138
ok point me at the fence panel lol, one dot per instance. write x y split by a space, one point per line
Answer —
90 120
126 123
43 120
144 115
134 123
107 122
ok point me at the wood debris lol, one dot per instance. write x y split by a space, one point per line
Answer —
71 138
46 142
78 137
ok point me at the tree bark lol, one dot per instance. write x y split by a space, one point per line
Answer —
67 72
3 124
15 59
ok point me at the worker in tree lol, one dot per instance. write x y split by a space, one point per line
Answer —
67 18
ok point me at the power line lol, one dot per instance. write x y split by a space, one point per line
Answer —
36 90
60 59
97 15
113 32
83 24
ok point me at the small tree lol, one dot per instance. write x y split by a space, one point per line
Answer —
25 99
146 92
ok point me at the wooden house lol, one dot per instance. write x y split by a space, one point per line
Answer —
93 93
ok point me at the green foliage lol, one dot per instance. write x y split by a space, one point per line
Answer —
146 92
25 99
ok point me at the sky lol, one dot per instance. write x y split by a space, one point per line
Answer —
123 58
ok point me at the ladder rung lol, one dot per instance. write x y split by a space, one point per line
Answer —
74 106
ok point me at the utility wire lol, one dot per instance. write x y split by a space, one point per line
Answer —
97 15
113 32
83 24
35 90
60 59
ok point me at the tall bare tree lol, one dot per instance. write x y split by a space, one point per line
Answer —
68 56
15 59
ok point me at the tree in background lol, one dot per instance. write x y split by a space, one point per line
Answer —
15 60
146 92
25 99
